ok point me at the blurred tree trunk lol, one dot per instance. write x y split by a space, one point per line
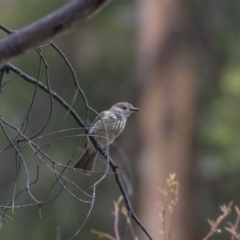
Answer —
167 76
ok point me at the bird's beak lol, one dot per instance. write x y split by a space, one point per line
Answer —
133 109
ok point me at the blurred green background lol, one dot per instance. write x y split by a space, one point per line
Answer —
104 54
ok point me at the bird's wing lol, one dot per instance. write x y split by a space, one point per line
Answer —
98 118
101 115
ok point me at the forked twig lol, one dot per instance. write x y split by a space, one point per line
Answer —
226 209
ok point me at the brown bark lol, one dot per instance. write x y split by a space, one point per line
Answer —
52 25
168 106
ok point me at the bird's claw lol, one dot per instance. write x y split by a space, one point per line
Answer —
105 154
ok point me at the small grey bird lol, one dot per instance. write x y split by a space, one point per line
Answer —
114 121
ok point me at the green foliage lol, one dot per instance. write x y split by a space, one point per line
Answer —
222 130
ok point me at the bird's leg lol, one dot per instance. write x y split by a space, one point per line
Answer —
105 153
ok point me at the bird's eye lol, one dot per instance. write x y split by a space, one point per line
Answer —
124 107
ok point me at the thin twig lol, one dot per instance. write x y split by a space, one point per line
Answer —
233 227
215 224
113 166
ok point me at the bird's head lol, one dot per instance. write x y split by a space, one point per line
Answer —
124 109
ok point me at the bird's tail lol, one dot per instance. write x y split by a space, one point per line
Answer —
87 161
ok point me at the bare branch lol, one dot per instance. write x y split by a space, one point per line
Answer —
232 229
16 43
226 209
113 166
52 25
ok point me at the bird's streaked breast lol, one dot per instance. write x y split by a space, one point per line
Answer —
113 124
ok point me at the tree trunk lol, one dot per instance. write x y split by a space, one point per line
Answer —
167 78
